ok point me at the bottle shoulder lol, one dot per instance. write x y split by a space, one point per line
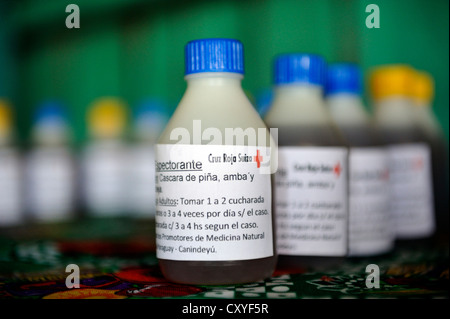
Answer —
203 117
311 135
402 135
361 135
295 112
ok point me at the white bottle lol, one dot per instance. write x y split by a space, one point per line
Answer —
50 167
214 210
370 225
311 181
11 208
150 119
410 175
104 160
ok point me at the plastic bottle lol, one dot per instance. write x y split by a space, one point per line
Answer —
104 160
311 182
215 225
423 94
50 166
11 208
370 225
150 119
411 194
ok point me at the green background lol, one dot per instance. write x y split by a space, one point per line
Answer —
134 49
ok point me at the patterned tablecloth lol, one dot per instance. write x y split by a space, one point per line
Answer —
116 259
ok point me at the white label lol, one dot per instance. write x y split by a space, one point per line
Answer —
311 201
370 225
213 203
411 190
50 183
10 188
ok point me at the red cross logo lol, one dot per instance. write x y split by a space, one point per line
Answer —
385 174
337 169
418 164
258 159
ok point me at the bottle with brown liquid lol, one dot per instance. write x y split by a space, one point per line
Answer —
423 93
311 198
370 227
213 184
409 154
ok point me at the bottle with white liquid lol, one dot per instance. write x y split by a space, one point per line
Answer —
50 167
11 207
370 225
150 119
213 176
409 154
311 198
104 160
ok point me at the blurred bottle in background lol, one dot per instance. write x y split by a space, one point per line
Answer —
423 94
370 225
310 196
103 159
410 175
263 101
149 121
50 171
11 208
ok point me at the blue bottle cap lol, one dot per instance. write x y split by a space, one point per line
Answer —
343 78
50 111
214 55
300 67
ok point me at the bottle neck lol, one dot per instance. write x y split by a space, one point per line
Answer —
146 138
427 120
298 104
213 80
5 134
50 135
5 140
395 112
347 109
299 90
106 140
345 99
423 105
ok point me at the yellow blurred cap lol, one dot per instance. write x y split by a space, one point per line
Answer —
5 116
107 117
391 80
423 87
